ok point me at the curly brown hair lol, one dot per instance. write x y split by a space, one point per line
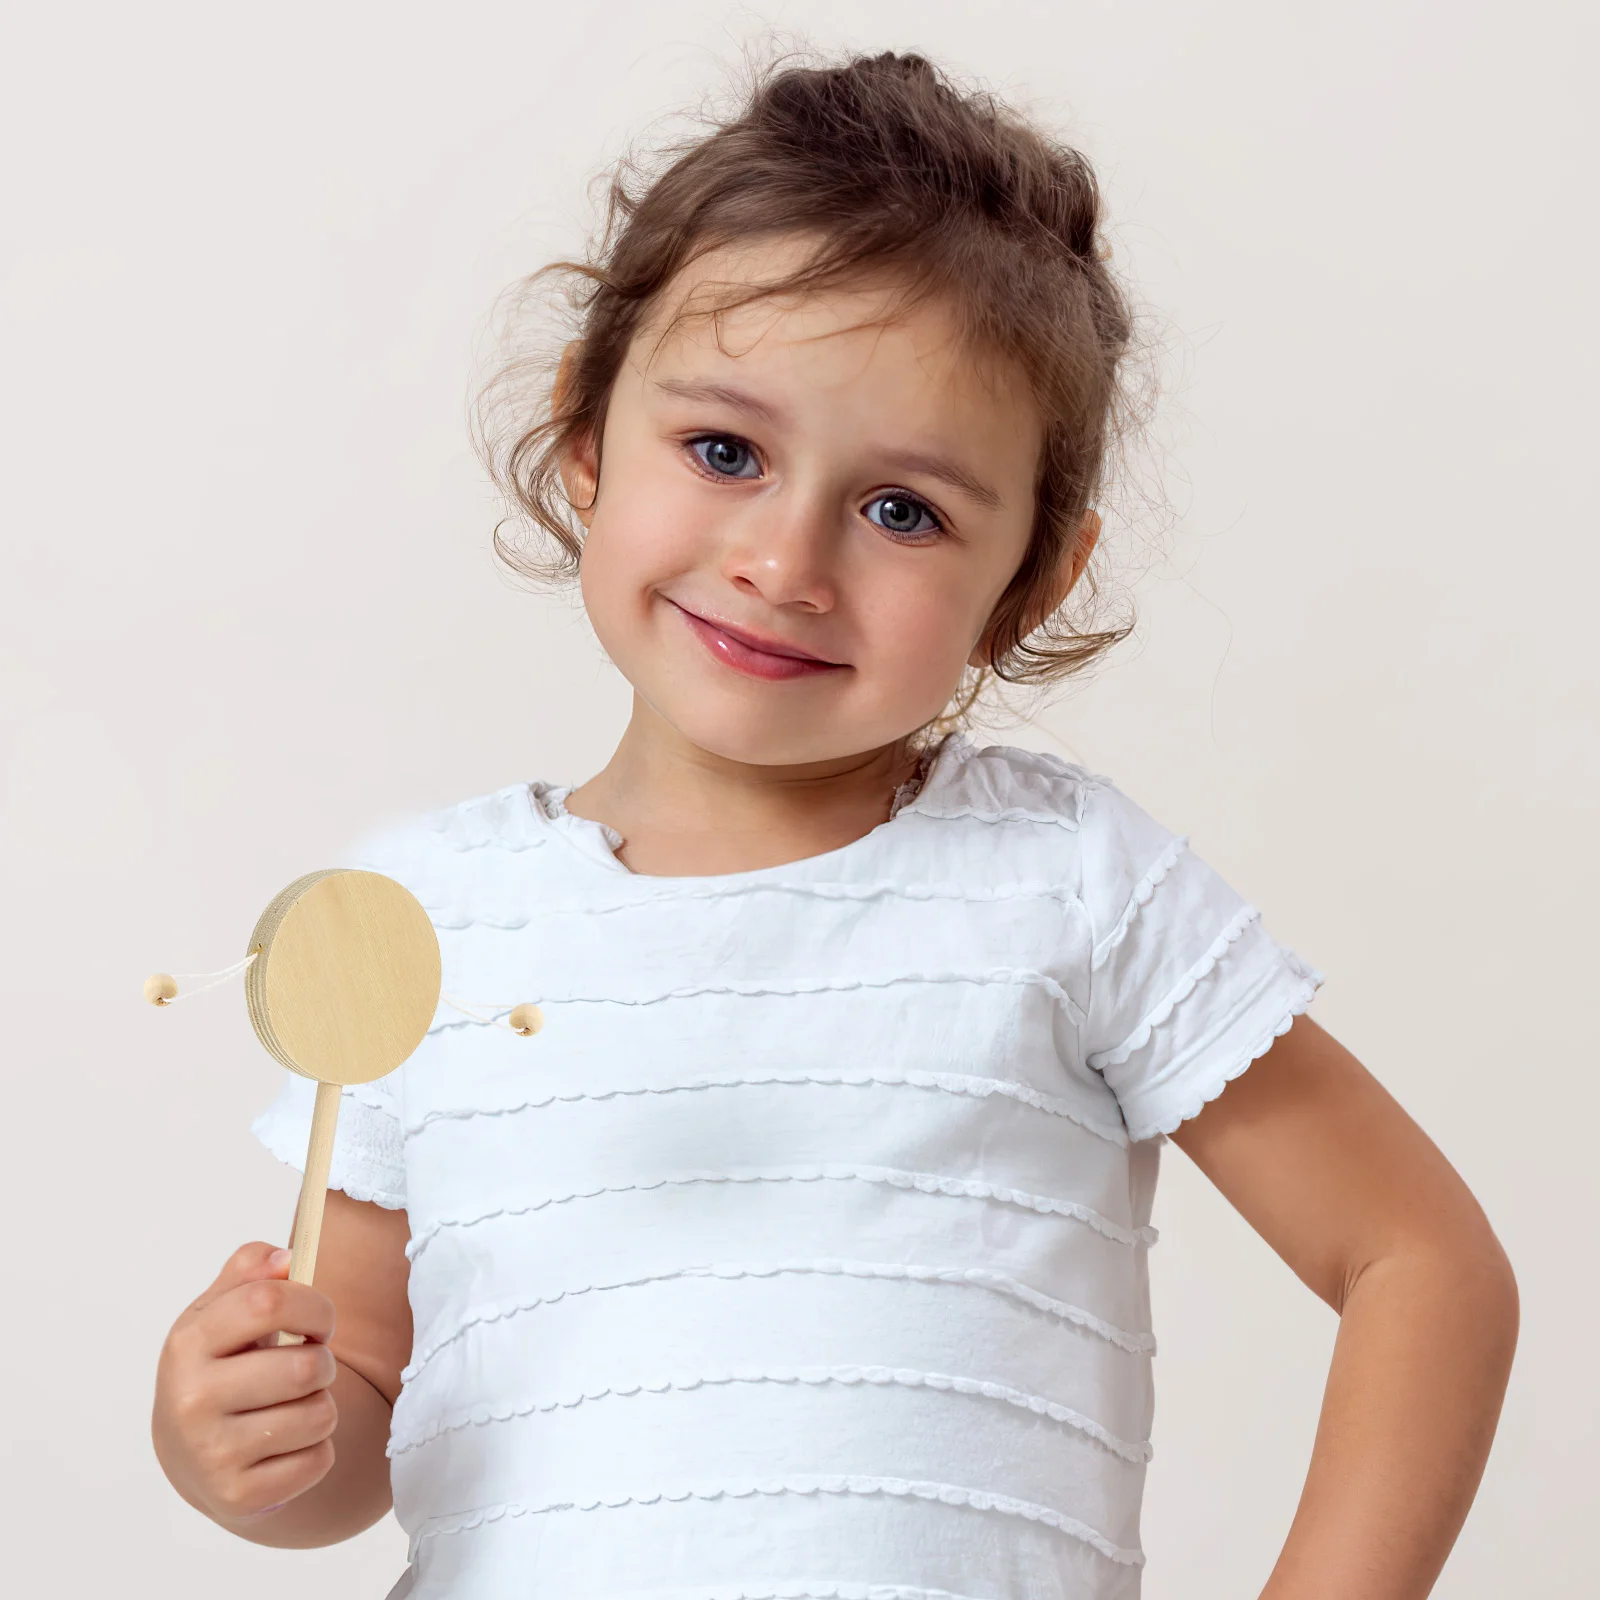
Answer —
903 177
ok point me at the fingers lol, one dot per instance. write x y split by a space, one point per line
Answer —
256 1378
232 1456
251 1437
258 1490
239 1427
249 1312
248 1263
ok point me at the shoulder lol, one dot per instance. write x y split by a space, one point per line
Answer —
420 848
1122 850
1002 783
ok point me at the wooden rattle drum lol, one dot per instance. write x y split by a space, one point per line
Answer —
342 983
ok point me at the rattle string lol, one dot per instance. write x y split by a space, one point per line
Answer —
457 1004
212 978
193 983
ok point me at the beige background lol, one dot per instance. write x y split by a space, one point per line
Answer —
249 610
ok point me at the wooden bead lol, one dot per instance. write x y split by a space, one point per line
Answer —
526 1019
160 988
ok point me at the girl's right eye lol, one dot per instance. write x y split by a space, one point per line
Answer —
723 455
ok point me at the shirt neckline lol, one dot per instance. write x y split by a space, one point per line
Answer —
599 842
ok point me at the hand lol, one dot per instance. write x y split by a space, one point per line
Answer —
242 1426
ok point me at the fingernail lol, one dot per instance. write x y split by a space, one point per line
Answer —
278 1258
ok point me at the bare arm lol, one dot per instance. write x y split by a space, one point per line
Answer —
1348 1190
285 1446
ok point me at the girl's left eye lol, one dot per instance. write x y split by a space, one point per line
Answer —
904 516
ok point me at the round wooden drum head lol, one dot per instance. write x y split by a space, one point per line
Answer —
346 981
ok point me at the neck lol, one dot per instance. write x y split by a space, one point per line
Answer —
683 810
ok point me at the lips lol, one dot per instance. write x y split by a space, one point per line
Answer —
752 654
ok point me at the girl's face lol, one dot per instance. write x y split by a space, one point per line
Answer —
799 536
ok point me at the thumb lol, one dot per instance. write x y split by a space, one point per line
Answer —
247 1264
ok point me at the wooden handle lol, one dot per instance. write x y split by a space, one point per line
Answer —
313 1193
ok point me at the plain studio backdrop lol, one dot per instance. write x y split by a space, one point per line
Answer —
250 610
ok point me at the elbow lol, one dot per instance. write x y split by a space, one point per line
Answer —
1456 1277
1502 1302
1479 1289
1486 1268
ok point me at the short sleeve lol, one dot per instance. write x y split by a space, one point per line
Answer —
1186 988
368 1146
367 1163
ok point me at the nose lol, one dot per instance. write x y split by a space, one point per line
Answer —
785 555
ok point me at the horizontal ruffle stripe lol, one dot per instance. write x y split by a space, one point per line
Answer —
805 1589
373 1099
447 837
1140 898
454 921
1050 819
825 1172
1206 1092
961 1083
1140 1036
907 1377
1134 1342
820 1483
1017 975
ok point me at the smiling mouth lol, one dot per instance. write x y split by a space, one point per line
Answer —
753 655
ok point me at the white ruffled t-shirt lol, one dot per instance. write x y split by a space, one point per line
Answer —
803 1252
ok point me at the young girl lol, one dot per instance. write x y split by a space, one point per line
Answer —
804 1252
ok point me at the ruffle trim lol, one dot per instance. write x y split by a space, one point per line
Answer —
1133 1342
1001 783
1016 975
956 813
1139 899
1212 1085
802 1589
695 891
1140 1037
840 1172
512 847
814 1483
948 1082
373 1099
269 1132
907 1377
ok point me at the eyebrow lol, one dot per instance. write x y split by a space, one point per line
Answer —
739 399
933 466
948 472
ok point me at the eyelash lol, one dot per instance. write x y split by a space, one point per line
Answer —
922 536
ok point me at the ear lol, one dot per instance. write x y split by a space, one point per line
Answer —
1073 561
579 475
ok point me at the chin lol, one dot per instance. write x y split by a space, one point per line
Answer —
770 740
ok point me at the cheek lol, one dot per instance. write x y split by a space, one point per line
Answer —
645 530
932 618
